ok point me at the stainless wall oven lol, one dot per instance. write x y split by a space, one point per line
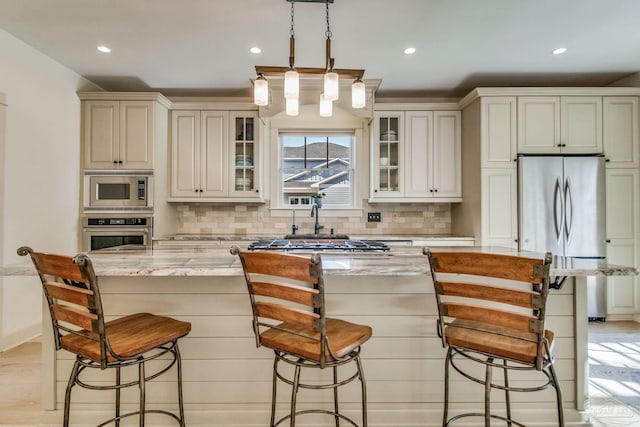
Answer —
106 232
118 191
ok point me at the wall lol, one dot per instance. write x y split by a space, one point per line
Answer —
40 175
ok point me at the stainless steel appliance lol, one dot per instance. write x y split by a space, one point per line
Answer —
319 244
562 210
118 191
106 232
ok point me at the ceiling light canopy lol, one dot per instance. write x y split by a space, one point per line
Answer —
292 75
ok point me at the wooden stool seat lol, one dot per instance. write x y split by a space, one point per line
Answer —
343 337
493 340
129 336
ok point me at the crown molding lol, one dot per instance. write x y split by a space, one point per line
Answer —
125 96
547 91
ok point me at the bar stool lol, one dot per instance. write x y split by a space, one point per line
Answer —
497 324
287 300
73 296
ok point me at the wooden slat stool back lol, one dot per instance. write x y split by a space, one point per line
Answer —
492 311
71 290
287 299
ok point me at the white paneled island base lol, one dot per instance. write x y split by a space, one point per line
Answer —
227 380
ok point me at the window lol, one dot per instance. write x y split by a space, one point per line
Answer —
313 163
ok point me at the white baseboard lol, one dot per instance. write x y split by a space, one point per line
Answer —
7 342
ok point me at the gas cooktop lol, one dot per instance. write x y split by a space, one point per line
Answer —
320 244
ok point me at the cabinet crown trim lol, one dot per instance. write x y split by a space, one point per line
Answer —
125 96
419 106
546 91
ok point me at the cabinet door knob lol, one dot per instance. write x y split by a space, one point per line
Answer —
436 190
201 190
120 161
608 240
115 162
375 191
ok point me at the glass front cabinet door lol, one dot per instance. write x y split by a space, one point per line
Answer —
244 152
387 155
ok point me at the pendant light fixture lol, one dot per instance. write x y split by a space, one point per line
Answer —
326 106
331 76
358 94
291 77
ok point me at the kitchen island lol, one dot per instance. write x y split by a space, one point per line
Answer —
227 381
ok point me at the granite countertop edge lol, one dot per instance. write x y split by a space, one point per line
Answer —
217 261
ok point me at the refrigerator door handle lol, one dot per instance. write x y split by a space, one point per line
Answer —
558 205
568 211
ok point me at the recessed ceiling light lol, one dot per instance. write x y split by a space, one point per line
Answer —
410 50
104 49
560 50
255 50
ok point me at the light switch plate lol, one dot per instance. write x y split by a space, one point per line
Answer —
374 217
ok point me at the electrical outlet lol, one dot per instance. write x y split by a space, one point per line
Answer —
374 217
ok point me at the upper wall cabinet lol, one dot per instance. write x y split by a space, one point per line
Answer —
118 134
554 125
620 131
214 156
416 156
498 125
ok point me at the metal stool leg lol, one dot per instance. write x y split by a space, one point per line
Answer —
294 394
274 387
180 399
506 393
142 390
556 385
446 387
67 395
335 395
364 392
487 393
118 378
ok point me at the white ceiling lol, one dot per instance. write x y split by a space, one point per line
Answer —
202 46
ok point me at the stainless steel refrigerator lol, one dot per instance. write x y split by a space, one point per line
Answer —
562 210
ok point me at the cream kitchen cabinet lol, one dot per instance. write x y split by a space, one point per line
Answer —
213 156
499 207
490 181
118 134
417 156
498 126
560 124
620 131
623 235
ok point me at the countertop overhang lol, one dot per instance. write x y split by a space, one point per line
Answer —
195 260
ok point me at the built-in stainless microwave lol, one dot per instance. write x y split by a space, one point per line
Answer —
115 191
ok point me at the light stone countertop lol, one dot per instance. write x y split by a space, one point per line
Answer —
217 261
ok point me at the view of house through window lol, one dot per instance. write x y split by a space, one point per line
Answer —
317 164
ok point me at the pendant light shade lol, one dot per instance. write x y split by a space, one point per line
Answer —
358 96
326 106
291 84
261 91
331 85
292 107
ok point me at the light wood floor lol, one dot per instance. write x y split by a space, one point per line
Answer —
20 385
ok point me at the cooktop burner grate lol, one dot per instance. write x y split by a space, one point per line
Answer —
319 245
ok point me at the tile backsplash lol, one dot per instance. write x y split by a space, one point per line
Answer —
406 219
